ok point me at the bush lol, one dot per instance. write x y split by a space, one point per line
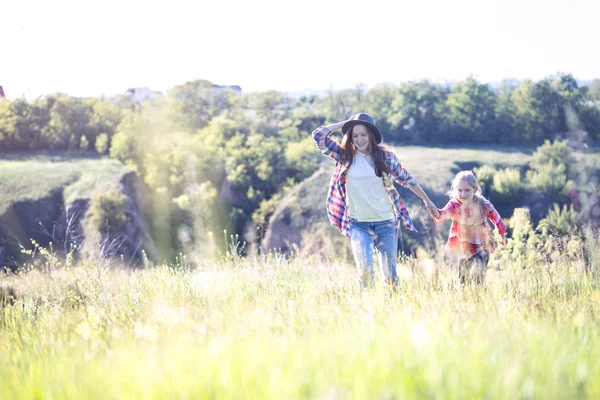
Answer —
102 143
84 143
485 178
552 155
522 249
559 221
550 169
507 186
108 211
550 181
302 158
123 147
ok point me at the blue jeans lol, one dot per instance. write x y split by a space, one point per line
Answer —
383 235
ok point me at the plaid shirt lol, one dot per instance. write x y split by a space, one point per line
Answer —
336 196
470 233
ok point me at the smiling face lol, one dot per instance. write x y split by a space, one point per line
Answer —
465 191
361 138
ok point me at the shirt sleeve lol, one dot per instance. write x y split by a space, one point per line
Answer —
326 144
446 212
496 220
399 173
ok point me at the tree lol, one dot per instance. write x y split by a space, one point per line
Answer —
539 108
105 118
69 120
509 127
416 111
471 112
195 103
594 91
271 106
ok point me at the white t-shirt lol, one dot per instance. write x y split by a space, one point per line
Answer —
367 200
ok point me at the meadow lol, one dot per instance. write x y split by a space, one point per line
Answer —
275 327
30 177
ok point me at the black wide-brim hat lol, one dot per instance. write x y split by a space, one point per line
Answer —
364 119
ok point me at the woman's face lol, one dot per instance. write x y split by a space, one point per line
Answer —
465 191
361 138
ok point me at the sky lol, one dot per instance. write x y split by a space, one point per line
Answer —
95 48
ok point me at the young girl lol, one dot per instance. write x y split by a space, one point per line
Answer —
362 201
470 234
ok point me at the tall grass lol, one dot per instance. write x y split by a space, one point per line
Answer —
267 327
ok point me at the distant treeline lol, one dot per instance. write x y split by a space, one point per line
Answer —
414 112
219 158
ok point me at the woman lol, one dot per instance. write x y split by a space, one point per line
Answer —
362 201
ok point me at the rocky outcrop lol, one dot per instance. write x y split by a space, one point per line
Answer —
30 221
300 223
49 220
133 239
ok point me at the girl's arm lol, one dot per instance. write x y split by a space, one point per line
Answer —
446 212
327 145
497 221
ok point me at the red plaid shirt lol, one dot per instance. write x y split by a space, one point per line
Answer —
336 196
470 232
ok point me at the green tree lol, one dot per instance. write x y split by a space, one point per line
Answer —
271 106
23 122
509 126
594 90
104 119
471 112
102 143
69 120
195 103
417 112
539 108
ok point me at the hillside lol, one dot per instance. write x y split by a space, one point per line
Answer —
301 221
46 197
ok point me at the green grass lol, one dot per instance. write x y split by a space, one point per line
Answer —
435 167
274 328
32 177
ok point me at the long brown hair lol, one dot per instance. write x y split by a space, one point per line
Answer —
376 151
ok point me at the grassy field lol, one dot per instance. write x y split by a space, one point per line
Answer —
269 327
273 328
26 177
435 167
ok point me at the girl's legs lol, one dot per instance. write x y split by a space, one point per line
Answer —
479 267
474 267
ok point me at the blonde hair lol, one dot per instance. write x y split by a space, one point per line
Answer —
468 177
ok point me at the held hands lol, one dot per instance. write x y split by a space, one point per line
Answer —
433 210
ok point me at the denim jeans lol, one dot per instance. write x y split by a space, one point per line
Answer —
383 235
474 268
